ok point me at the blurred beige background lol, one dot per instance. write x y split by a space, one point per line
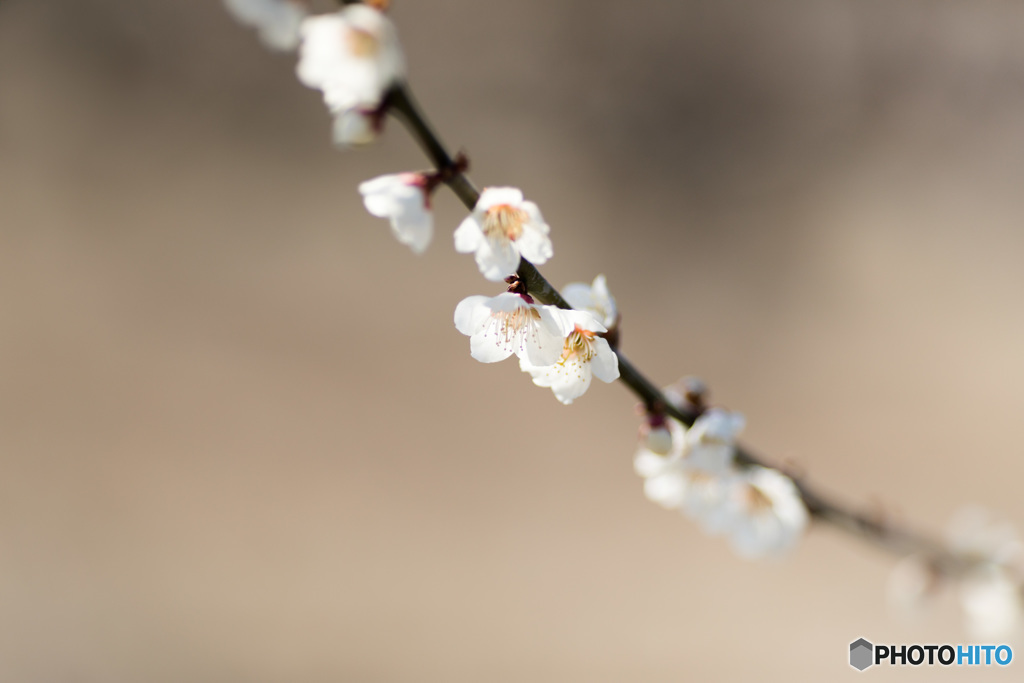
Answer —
240 439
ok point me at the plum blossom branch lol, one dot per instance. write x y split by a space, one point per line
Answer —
870 526
362 76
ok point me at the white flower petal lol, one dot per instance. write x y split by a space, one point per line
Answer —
768 515
468 236
593 298
992 604
534 245
471 314
648 464
578 295
604 364
717 426
568 379
548 347
600 289
667 490
495 196
496 261
486 351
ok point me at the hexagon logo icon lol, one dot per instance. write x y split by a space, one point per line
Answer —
861 654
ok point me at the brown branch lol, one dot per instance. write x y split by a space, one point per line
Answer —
868 526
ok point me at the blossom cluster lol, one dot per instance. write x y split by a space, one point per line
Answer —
353 57
694 470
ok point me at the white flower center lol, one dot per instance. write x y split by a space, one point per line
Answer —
504 221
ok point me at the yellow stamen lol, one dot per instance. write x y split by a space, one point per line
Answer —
504 221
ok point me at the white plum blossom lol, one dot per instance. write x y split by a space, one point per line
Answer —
594 298
693 463
759 509
510 324
585 355
705 498
404 200
711 441
276 21
353 56
501 228
762 513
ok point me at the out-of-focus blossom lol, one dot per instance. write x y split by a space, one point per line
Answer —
911 585
585 355
990 594
594 298
762 513
991 600
657 438
276 21
403 199
686 394
974 530
352 56
705 500
501 228
510 324
661 466
759 509
711 441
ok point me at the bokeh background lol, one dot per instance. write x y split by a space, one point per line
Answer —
240 439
